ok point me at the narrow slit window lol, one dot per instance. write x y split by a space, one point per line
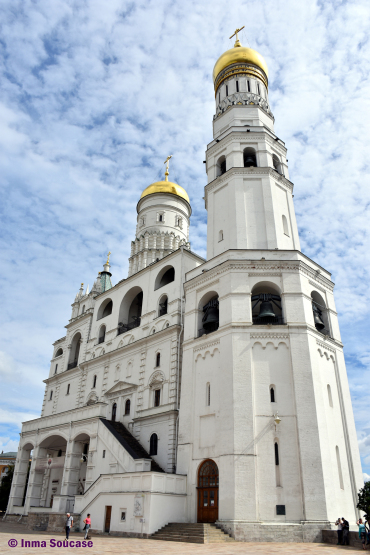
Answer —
227 90
56 369
94 381
330 396
272 395
208 393
160 217
158 359
339 468
127 407
103 453
276 454
68 388
51 395
237 86
258 89
219 97
157 397
153 449
248 85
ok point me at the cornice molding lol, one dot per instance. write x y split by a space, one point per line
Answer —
206 346
260 171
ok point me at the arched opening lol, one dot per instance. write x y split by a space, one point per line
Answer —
285 226
47 480
153 449
163 305
266 304
164 277
105 309
102 334
277 463
221 166
81 448
272 394
20 479
208 491
249 158
59 353
127 407
114 412
130 310
330 398
209 318
277 164
75 351
158 359
320 313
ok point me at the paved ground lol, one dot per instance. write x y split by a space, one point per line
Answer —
103 545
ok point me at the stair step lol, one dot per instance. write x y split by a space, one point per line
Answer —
192 533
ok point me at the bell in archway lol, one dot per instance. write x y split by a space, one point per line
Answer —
266 310
319 323
210 319
250 161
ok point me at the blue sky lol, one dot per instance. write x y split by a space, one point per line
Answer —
94 95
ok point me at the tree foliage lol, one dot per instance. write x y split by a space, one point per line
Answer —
6 484
364 498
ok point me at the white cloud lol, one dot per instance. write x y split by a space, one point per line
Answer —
94 96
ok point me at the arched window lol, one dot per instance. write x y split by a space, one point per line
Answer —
249 158
153 445
59 353
266 304
285 226
220 235
94 381
130 310
164 277
208 395
75 351
102 334
127 407
163 303
105 309
339 467
114 412
208 314
330 395
272 394
276 163
221 166
158 359
320 313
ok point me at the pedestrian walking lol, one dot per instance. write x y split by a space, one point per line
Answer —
362 532
339 526
345 525
69 524
87 526
367 529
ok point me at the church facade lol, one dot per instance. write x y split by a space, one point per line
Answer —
203 390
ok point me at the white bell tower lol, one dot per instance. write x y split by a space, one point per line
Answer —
266 430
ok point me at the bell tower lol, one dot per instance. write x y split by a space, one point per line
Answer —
249 195
267 436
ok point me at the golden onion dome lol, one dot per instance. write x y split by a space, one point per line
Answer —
239 55
165 187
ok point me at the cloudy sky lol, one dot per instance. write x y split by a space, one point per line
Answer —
94 95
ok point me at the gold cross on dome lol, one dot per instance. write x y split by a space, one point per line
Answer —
236 35
109 253
167 161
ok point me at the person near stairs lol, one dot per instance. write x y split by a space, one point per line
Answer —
87 526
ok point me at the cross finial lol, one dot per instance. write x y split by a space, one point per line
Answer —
237 41
109 253
167 161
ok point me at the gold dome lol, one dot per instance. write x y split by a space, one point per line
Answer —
165 187
239 54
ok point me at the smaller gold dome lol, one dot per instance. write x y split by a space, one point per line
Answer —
165 187
239 54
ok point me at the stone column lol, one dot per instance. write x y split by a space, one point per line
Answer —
71 469
35 480
19 480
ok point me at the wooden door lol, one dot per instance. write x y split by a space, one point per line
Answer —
108 512
208 492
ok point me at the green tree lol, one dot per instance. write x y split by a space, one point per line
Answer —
364 499
6 484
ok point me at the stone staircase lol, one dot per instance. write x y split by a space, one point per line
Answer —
191 533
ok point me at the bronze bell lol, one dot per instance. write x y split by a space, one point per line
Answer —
210 319
266 310
319 323
250 161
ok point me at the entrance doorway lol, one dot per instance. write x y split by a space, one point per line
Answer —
208 492
108 513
